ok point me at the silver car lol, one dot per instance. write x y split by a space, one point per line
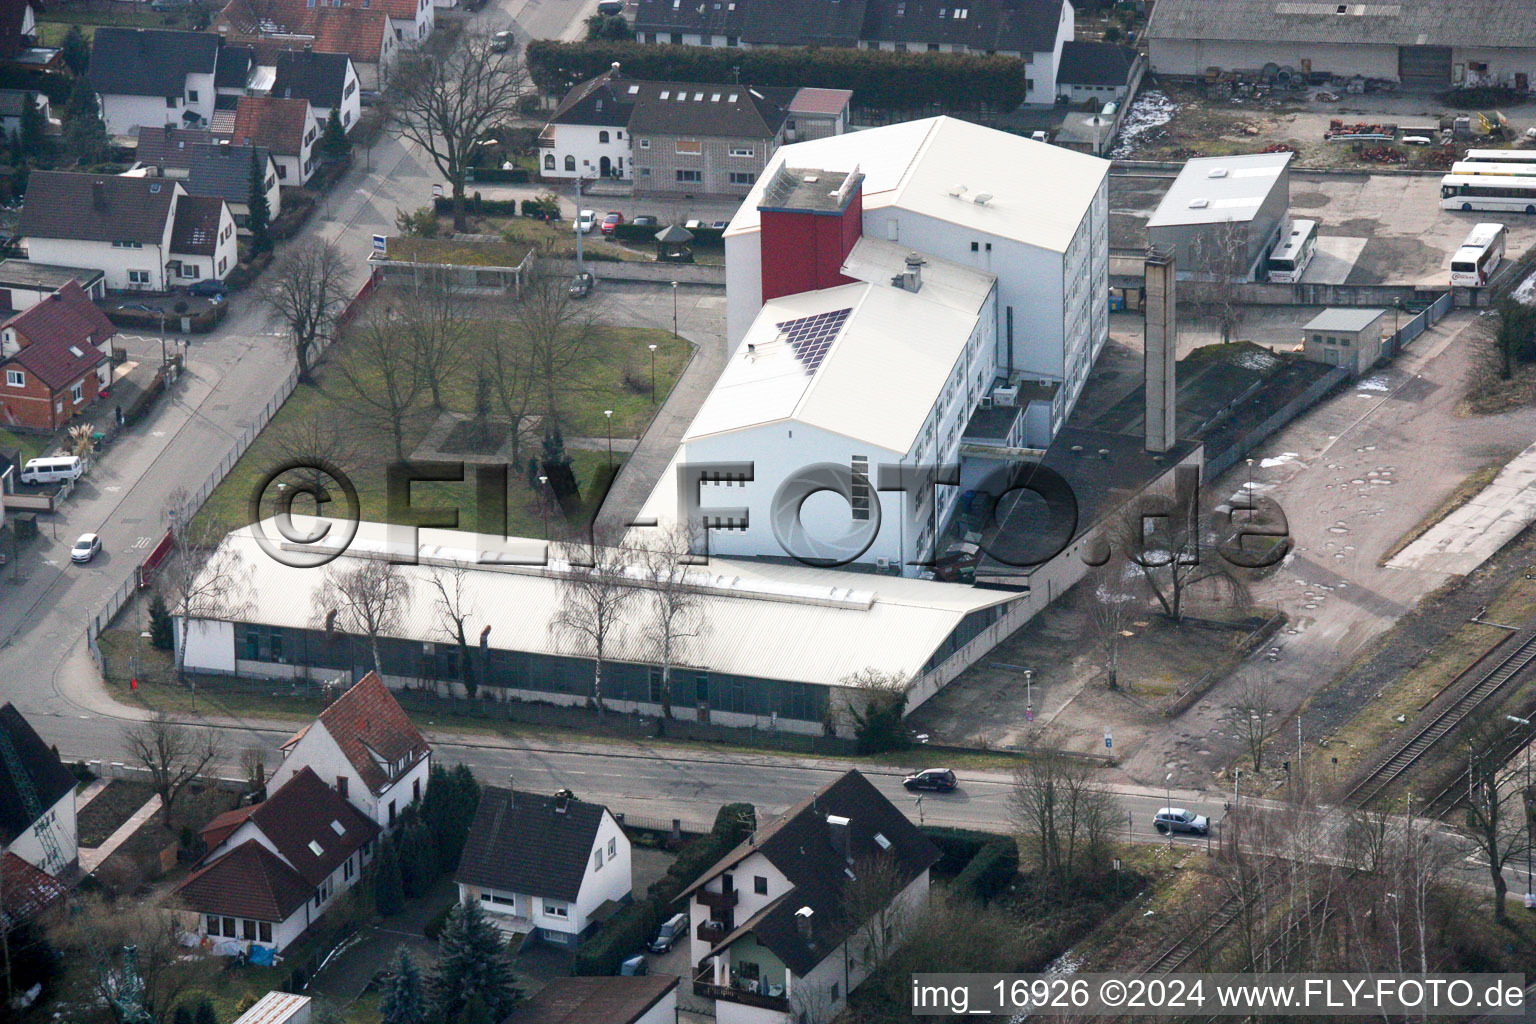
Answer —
1177 819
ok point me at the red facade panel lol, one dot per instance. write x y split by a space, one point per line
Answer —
803 252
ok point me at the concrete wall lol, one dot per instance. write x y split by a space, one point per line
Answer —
1194 56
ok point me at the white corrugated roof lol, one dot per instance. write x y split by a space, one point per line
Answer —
900 346
1039 192
960 287
769 621
274 1008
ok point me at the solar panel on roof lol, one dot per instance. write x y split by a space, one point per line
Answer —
811 336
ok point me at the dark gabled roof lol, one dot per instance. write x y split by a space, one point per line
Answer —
222 171
317 77
13 102
599 101
307 811
369 726
248 882
970 23
234 67
273 123
1095 64
803 22
526 845
196 229
695 108
96 207
168 147
149 62
25 891
710 17
595 1000
50 779
799 844
12 14
1027 26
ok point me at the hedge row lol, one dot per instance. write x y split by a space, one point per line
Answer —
878 78
512 175
959 846
480 207
627 931
990 871
703 238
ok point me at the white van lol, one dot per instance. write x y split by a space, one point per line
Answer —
53 470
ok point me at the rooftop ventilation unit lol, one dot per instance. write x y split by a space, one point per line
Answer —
1216 172
958 191
982 198
1199 204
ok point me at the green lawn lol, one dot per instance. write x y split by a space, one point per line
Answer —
29 445
51 29
614 375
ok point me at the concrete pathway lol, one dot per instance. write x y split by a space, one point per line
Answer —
1469 536
91 858
90 793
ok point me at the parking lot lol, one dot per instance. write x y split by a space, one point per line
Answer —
1373 229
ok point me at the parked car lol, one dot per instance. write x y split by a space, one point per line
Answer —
635 965
941 780
721 225
610 7
502 41
581 285
54 469
86 548
645 220
693 224
209 287
1177 819
585 221
611 220
672 929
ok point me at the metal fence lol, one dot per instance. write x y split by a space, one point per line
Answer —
1426 319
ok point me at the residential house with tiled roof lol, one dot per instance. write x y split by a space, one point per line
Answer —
327 80
286 129
122 225
768 926
149 78
13 103
56 359
223 171
551 866
273 869
24 283
683 139
1100 72
25 892
37 809
203 239
364 33
18 27
169 149
363 745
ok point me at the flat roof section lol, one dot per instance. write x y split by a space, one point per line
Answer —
809 190
1210 190
26 274
1347 319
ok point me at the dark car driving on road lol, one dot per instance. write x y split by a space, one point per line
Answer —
939 779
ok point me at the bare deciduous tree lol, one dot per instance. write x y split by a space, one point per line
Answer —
555 331
1218 267
1109 610
173 755
454 605
95 937
445 100
1510 329
383 381
877 922
1254 714
314 436
1495 806
1063 812
199 578
437 320
1174 553
674 612
306 290
596 589
366 598
253 761
507 364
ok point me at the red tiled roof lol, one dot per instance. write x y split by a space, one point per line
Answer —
60 335
196 228
250 881
355 31
820 101
272 123
369 725
304 816
25 891
224 826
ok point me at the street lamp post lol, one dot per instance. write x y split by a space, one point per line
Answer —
608 415
1168 794
1250 488
674 310
1530 823
1029 695
544 501
652 347
919 810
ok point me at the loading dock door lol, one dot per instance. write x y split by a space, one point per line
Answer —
1424 65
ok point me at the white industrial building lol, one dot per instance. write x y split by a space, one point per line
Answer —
1223 216
1035 215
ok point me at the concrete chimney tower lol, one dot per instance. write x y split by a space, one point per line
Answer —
1162 350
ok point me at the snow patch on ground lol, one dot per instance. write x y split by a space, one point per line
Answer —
1152 109
1377 383
1279 460
1526 293
1256 359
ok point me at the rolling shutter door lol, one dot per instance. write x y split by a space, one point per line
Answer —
1424 65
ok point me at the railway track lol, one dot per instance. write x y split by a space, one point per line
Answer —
1522 652
1177 953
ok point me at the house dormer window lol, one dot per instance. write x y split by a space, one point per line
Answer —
316 849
